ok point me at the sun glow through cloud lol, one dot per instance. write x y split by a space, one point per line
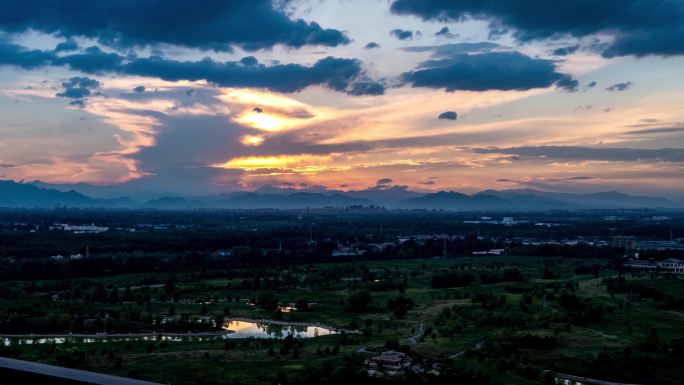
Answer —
261 121
299 164
252 140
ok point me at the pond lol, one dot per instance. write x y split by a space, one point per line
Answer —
234 329
246 329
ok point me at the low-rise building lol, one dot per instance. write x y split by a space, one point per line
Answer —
670 265
389 364
623 242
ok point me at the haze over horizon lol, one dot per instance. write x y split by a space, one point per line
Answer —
211 97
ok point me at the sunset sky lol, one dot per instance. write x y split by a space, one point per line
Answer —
203 97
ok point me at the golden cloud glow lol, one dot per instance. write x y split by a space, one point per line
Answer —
261 121
301 164
252 140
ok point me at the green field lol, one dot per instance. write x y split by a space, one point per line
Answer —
502 320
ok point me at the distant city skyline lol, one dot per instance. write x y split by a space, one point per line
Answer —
209 97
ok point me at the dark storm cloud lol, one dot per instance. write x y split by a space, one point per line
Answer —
211 138
191 179
619 86
372 45
334 73
641 27
204 24
79 87
444 32
93 61
488 71
402 34
65 46
383 181
567 83
344 75
448 115
367 88
565 51
249 61
579 153
16 55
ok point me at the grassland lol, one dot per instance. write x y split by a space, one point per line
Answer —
558 314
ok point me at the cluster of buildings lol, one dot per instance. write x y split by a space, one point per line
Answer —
72 257
390 364
93 229
346 251
79 229
631 244
671 266
490 252
505 221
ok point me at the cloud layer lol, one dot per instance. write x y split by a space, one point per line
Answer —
207 25
639 27
488 71
346 75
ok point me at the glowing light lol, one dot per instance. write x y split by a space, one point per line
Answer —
252 140
301 164
261 121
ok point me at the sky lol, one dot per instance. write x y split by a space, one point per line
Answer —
205 97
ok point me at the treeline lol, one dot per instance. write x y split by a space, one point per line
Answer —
466 278
639 291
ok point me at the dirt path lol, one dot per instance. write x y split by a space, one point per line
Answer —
421 330
479 345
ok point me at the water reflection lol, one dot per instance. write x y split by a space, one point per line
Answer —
19 341
234 329
244 329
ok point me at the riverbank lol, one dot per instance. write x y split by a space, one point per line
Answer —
119 335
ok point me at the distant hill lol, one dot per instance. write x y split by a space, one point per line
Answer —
450 200
254 200
288 201
38 194
13 194
610 199
386 196
170 203
528 199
